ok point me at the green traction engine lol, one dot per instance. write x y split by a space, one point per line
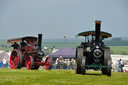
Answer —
93 54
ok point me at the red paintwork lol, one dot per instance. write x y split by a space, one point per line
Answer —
39 63
29 62
14 59
30 57
48 63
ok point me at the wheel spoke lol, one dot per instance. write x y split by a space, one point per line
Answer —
47 64
12 63
14 59
12 56
29 62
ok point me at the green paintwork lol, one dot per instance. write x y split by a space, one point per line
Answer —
95 66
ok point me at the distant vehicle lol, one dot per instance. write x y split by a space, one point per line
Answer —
27 52
93 54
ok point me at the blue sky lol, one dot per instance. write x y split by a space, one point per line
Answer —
54 18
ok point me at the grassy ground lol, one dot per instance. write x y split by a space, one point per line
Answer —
119 50
59 77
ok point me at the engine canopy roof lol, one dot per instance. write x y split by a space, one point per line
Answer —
87 33
31 38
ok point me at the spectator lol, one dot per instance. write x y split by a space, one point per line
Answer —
61 62
4 63
117 67
65 63
73 63
56 63
68 64
121 65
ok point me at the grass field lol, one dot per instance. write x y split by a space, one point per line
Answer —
119 50
59 77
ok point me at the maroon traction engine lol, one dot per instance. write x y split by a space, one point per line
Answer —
27 52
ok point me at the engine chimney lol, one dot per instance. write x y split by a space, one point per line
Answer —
39 41
97 30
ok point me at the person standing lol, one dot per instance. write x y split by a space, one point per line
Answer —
69 64
73 63
65 63
121 65
65 38
61 62
117 67
56 63
4 63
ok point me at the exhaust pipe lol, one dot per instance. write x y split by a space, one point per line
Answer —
39 41
97 30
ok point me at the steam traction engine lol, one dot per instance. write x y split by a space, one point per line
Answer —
93 54
27 52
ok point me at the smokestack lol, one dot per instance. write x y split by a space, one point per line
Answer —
39 41
97 30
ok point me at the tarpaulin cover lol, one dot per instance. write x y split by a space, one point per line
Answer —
64 52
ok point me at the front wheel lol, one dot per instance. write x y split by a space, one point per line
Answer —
109 68
79 54
48 64
83 70
29 62
103 71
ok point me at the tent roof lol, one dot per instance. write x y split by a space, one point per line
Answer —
64 52
3 54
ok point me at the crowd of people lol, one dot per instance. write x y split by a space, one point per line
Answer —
64 63
69 63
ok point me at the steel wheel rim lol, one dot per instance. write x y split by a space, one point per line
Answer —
14 59
79 54
48 64
29 62
83 65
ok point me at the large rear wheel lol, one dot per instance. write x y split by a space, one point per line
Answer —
83 70
16 59
79 54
